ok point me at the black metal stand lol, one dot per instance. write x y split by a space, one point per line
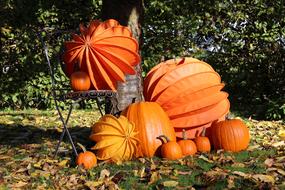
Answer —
74 97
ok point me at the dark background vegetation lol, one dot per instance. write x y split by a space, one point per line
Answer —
244 41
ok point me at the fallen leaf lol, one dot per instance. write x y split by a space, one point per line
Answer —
281 134
63 163
264 178
93 184
170 183
241 174
154 177
104 174
18 184
277 144
280 171
205 159
231 182
269 162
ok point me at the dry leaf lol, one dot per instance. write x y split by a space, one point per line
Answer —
282 172
104 174
264 178
281 134
154 177
269 162
170 183
277 144
231 182
63 163
93 184
18 184
205 159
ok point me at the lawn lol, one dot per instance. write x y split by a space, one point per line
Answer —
28 140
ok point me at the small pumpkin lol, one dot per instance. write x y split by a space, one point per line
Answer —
203 143
115 138
150 121
170 149
187 146
80 81
230 135
86 158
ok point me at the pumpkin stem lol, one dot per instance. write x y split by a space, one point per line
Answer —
82 147
163 137
203 132
134 100
184 137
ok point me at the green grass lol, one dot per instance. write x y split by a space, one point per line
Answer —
28 139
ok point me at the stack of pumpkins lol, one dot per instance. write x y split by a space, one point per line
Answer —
183 98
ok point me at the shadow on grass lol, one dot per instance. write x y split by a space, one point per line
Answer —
15 135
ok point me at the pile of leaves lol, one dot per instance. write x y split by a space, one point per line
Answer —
28 140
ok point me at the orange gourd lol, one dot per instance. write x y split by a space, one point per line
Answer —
80 81
189 91
170 149
187 146
105 50
115 138
150 121
230 135
203 143
86 159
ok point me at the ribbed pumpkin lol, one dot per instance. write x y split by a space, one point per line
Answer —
105 50
115 138
80 81
170 149
150 121
202 142
189 90
187 146
230 135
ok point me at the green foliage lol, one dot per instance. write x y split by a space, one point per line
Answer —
244 41
24 72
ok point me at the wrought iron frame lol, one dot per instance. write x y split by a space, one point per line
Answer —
75 97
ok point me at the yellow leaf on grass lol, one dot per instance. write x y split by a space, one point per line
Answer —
170 183
63 163
264 178
154 177
93 184
281 134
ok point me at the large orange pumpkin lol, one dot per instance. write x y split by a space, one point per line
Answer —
105 50
230 135
151 122
189 91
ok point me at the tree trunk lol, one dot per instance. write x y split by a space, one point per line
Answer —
127 13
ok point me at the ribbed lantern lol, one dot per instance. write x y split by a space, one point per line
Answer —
105 50
189 91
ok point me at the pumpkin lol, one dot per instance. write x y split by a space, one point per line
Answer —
150 121
105 50
80 81
187 146
189 91
115 138
230 135
87 159
203 143
170 149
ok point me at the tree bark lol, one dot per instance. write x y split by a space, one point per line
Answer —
127 13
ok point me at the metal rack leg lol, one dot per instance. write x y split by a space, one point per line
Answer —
63 132
66 130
